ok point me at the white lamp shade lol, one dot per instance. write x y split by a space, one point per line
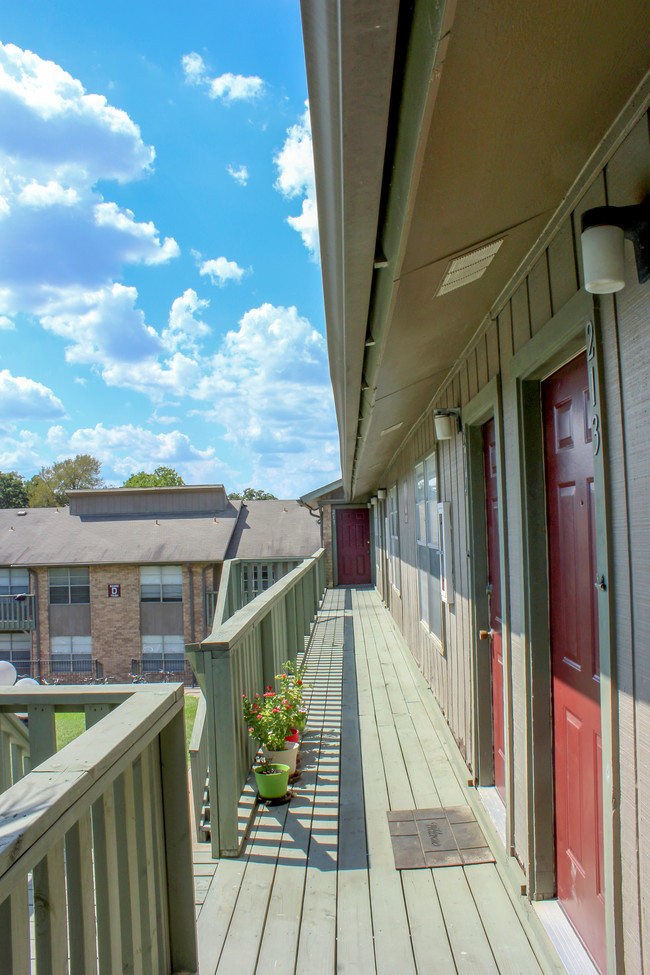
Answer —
7 674
444 426
603 259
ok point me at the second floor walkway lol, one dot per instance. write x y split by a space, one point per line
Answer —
316 888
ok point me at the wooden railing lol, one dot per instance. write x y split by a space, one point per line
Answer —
14 750
199 764
242 580
101 830
18 613
242 655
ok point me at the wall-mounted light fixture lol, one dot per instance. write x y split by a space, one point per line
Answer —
447 423
381 494
604 230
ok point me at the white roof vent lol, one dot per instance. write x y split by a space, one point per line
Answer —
468 268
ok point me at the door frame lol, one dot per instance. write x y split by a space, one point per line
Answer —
487 405
575 328
335 551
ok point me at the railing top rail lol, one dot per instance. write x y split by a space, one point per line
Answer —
199 725
75 697
225 635
39 809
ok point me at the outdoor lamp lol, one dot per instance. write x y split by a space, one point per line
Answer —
604 230
381 494
445 422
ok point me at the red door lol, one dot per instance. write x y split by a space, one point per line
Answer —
574 652
353 546
494 598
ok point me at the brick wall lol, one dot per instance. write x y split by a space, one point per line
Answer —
115 621
195 577
43 599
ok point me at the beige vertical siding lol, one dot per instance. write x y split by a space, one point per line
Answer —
553 279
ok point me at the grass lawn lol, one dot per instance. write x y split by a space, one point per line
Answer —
70 726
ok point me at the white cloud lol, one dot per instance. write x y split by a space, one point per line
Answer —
51 124
39 195
6 324
227 87
184 327
101 326
127 448
20 452
222 270
23 399
295 165
239 174
269 387
60 236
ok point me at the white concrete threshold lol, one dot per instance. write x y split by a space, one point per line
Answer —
495 809
572 952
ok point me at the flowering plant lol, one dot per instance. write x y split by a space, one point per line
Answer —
269 718
292 684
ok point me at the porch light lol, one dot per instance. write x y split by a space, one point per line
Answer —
446 422
604 230
381 494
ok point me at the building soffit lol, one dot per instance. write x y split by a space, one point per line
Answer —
494 110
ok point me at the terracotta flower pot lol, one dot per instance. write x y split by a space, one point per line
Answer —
272 780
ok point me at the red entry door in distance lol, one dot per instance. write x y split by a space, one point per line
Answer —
494 597
571 522
353 546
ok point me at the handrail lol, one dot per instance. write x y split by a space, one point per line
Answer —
103 828
198 763
242 655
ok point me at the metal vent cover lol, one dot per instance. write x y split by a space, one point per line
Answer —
468 268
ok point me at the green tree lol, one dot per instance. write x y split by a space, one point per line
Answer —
13 491
47 489
161 477
251 494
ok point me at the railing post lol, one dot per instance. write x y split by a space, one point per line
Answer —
223 748
268 649
178 846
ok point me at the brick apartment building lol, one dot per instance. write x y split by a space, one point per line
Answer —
131 574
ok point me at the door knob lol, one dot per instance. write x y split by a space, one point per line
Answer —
485 634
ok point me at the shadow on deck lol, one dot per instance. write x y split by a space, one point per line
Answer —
315 889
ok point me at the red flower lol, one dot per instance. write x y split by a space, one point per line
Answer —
269 694
276 710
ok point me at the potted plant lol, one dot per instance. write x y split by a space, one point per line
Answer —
272 780
269 721
292 689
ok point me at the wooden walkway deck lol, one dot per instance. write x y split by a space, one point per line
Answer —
316 889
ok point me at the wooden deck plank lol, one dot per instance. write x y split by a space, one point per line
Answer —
470 946
510 946
317 889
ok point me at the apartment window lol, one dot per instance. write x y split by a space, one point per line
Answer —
69 585
16 648
71 654
428 545
13 582
393 528
257 577
161 583
163 652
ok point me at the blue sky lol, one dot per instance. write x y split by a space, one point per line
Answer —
160 291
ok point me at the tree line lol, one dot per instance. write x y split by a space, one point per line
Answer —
48 488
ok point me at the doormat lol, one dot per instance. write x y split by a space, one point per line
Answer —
445 837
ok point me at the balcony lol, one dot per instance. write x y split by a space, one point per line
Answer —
18 613
310 885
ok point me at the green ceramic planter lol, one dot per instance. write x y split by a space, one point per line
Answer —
272 785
